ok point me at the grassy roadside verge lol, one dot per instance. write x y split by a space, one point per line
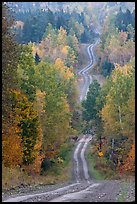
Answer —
94 173
98 167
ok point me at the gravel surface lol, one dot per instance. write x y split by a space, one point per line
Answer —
31 189
101 191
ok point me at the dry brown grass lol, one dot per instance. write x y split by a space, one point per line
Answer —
12 178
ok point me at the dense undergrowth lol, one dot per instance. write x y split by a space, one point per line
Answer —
60 171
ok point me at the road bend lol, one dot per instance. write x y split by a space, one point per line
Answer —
84 73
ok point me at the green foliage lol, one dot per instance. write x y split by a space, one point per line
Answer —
107 68
117 40
123 19
66 152
28 122
26 70
96 174
57 117
57 44
131 32
76 120
50 31
89 105
73 43
101 98
115 115
71 58
117 97
32 29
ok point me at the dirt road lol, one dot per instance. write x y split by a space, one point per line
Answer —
84 73
82 188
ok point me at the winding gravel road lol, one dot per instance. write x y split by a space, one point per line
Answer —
82 188
85 71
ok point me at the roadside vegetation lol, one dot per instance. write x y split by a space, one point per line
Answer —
52 172
110 109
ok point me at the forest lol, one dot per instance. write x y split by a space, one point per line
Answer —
40 113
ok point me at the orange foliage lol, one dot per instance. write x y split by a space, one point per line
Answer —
36 166
11 147
65 50
51 154
130 162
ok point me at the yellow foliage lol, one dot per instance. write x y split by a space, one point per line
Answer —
69 74
39 49
125 70
40 102
62 36
65 50
12 152
109 116
35 168
64 70
100 154
34 49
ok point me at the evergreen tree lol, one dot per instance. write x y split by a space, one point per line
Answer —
89 105
10 56
37 58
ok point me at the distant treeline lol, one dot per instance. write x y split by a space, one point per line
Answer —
36 22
